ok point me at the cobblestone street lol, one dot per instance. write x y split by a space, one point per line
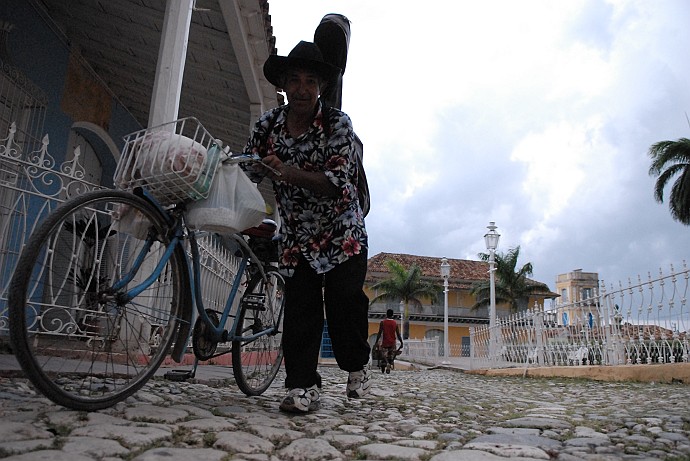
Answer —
437 415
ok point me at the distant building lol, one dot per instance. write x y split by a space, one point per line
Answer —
426 320
578 291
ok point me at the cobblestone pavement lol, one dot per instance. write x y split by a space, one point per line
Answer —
436 415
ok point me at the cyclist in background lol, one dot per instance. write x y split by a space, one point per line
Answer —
389 330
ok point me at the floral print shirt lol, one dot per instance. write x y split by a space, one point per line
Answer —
326 230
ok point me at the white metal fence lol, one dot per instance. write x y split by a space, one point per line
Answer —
424 351
33 184
642 323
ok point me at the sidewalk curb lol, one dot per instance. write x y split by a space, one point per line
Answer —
672 373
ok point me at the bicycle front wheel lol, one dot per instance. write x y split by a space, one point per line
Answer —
78 334
257 350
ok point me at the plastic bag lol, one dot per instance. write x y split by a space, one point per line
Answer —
234 204
162 153
128 220
166 153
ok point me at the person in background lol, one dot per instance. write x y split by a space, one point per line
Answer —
388 333
309 150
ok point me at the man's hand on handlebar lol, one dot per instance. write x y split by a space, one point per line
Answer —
273 164
257 165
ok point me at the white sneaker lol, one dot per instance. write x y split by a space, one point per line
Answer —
301 400
358 384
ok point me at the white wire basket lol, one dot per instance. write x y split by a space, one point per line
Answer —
175 162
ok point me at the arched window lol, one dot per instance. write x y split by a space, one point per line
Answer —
98 154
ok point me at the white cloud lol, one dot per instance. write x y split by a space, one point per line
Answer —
537 115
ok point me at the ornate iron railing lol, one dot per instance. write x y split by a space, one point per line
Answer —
31 186
639 323
34 184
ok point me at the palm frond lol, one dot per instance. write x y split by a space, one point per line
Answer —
511 284
404 285
671 159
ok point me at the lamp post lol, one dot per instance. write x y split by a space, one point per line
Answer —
405 320
491 239
445 273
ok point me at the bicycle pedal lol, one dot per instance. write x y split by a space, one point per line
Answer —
178 375
254 302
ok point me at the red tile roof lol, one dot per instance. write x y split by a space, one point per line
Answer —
460 269
463 272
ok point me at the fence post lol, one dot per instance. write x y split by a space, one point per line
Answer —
608 326
435 355
539 332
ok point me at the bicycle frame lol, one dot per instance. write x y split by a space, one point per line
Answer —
193 275
218 333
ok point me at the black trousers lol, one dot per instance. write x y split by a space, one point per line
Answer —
340 292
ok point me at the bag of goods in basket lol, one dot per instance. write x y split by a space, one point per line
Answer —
203 184
165 153
169 163
234 204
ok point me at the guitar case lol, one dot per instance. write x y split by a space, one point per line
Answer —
332 36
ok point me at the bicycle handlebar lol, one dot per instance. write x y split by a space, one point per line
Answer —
235 159
232 159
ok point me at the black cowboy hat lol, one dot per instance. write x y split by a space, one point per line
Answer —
305 55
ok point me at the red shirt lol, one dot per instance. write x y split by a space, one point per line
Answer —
389 335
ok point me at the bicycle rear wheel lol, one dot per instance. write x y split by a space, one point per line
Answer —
79 339
256 360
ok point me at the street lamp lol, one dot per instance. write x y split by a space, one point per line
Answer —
491 239
445 273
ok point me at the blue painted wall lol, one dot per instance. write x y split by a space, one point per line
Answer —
43 57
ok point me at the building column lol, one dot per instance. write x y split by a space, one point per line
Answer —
172 54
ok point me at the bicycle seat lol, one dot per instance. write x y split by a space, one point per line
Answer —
264 230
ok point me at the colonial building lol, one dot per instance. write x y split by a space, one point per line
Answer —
85 72
577 291
76 76
427 319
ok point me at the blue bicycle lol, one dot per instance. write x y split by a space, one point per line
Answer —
107 286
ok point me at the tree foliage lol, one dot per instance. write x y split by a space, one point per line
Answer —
671 159
512 285
405 285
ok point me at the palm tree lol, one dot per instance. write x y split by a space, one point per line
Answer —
671 158
512 287
406 286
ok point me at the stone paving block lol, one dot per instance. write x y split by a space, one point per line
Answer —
181 454
437 415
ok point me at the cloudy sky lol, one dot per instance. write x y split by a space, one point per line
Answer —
537 115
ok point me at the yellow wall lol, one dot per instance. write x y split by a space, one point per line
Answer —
418 331
455 332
